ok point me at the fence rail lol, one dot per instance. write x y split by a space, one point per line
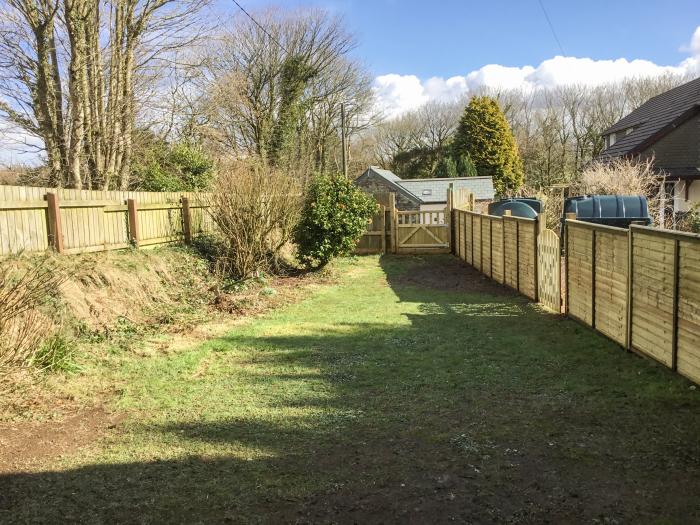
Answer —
35 219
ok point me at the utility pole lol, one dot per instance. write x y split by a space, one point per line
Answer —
342 138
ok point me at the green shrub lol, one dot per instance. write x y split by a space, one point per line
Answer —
334 217
160 166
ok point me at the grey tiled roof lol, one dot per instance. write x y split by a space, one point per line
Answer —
435 190
385 173
651 119
481 187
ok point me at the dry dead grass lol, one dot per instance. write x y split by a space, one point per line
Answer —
137 304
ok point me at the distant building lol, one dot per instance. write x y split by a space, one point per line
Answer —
666 127
423 194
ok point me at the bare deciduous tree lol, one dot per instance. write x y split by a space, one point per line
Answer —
75 71
255 105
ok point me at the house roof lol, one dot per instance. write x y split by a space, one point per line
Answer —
654 119
426 191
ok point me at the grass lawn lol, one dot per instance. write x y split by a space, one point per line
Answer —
414 390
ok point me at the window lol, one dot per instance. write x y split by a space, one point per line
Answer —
427 192
628 131
612 139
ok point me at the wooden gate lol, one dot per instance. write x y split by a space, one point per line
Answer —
549 269
374 239
423 231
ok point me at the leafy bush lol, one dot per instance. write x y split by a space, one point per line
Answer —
159 166
334 217
255 209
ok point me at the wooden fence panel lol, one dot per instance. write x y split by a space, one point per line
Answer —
93 220
611 261
22 228
476 241
639 287
579 275
469 238
459 233
497 250
486 245
527 257
653 295
510 245
688 328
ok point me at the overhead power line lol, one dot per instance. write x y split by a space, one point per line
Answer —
551 27
261 27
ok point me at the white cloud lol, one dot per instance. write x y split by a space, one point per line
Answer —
397 94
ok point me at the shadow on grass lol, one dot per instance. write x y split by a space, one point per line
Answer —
470 405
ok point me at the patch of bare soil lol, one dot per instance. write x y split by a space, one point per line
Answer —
452 275
25 446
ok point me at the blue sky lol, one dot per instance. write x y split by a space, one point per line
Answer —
452 37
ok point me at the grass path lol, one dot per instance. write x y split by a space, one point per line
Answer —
412 391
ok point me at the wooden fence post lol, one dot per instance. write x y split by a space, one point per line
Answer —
133 222
54 220
186 220
593 264
383 226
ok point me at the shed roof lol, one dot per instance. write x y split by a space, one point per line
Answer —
426 191
435 190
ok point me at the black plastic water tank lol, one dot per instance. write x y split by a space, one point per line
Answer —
611 210
518 207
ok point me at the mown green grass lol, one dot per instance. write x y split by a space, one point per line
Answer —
374 385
